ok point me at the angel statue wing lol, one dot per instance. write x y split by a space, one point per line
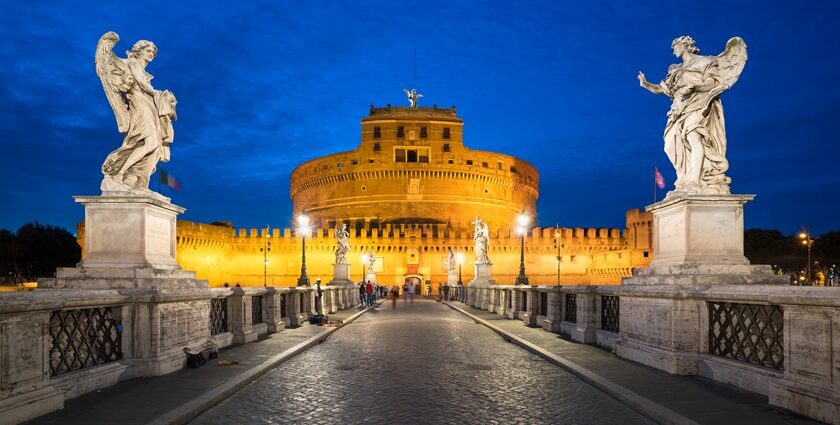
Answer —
115 77
730 64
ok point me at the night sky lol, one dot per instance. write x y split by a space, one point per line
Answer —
263 87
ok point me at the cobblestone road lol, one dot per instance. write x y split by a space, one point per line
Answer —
421 364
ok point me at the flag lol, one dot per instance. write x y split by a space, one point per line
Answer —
168 179
658 179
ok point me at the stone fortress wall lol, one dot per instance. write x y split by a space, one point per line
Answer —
222 254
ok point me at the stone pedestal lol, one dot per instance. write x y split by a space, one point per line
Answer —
341 275
698 242
483 279
554 314
452 278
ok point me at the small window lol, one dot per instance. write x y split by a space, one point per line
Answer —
370 161
451 161
354 162
446 132
339 165
377 147
423 156
377 132
513 170
423 133
400 132
446 147
646 254
399 155
411 156
485 165
469 162
572 258
501 167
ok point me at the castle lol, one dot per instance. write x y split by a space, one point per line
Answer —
407 193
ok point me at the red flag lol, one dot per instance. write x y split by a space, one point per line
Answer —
657 177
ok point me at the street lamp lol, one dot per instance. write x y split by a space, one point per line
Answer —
266 247
303 229
460 262
807 241
364 265
523 220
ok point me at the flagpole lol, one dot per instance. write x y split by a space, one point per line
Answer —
654 183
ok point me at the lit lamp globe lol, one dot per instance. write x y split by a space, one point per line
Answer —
523 221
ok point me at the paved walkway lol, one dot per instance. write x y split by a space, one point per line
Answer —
667 398
422 363
180 396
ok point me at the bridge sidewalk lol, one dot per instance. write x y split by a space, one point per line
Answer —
180 396
663 397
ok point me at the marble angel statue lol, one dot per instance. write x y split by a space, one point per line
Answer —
412 96
695 134
481 238
450 261
342 238
144 115
371 257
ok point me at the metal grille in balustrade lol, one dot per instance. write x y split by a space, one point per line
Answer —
543 304
610 308
509 299
283 305
218 316
83 338
524 301
256 309
570 312
749 333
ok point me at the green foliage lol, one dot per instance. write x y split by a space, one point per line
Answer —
35 251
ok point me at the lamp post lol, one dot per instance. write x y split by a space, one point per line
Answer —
266 247
460 262
523 220
364 266
303 228
807 241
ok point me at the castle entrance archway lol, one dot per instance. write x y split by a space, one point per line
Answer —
417 280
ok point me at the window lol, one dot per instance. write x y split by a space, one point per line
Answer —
354 162
572 258
423 133
377 132
446 147
446 132
451 161
469 162
377 147
646 254
405 154
400 132
339 165
484 164
513 170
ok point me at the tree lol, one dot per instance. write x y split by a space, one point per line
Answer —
42 248
8 257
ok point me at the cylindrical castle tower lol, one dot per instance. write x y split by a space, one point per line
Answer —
412 167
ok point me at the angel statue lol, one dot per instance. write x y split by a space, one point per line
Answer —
412 96
695 135
143 114
481 239
371 257
343 246
450 261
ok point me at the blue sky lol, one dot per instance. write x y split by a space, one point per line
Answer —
263 86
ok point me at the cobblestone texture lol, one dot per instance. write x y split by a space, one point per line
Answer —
421 364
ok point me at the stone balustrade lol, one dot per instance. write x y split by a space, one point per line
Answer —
56 344
779 341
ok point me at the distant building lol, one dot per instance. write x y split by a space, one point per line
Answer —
409 192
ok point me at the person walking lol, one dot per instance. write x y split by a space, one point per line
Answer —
362 294
411 289
395 293
369 292
446 292
405 292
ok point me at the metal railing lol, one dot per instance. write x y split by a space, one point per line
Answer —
256 309
570 312
610 309
83 338
748 333
218 316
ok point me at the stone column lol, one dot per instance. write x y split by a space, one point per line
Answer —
241 317
492 299
554 313
587 318
531 309
517 295
271 314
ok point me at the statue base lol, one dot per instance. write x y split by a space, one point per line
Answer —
483 275
452 279
341 275
370 277
699 240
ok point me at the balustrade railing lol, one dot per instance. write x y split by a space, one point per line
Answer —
610 308
218 316
570 310
543 304
283 305
256 309
748 333
83 338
